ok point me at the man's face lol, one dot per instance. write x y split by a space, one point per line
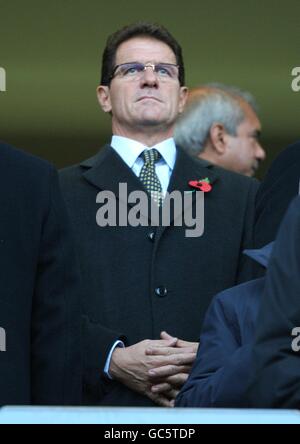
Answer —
145 102
244 152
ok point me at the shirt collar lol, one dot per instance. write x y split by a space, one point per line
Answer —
130 150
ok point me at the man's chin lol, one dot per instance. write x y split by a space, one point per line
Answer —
151 122
151 112
146 119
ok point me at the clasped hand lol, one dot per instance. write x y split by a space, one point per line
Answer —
155 368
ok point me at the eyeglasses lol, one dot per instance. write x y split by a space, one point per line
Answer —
134 70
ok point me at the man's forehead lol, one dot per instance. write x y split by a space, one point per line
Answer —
144 49
250 115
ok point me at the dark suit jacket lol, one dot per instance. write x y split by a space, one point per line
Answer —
39 300
137 284
221 371
275 362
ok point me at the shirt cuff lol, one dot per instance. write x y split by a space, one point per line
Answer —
118 343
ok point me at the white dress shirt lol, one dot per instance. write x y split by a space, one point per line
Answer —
129 150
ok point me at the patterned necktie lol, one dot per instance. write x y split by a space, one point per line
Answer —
148 175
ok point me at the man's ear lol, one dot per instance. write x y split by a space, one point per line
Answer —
182 98
103 96
218 138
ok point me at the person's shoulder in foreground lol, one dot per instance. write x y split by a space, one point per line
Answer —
223 367
220 373
40 361
276 360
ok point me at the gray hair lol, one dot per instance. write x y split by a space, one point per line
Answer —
221 103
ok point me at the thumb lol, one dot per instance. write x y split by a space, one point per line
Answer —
166 336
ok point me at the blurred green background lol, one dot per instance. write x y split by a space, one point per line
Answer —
51 52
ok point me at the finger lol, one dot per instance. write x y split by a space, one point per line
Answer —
164 402
165 335
177 380
175 360
172 394
166 351
169 342
172 382
160 400
160 388
168 370
182 344
181 358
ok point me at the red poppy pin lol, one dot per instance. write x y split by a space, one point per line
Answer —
202 184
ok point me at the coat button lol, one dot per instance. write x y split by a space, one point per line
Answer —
161 291
151 236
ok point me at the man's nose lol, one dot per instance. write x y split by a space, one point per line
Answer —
149 77
260 152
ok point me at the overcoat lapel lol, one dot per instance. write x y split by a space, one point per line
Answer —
106 170
185 170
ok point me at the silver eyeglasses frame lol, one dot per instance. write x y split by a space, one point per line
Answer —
155 67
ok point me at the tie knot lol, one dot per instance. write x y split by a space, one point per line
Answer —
150 156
